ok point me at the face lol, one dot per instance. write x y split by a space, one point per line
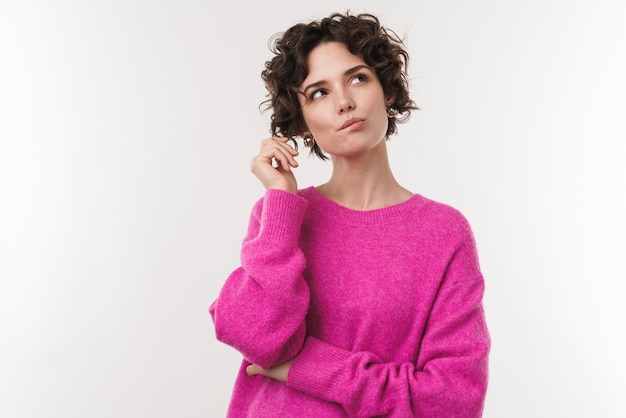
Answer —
342 101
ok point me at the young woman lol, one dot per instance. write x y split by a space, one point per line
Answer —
356 298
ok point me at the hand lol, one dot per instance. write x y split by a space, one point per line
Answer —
279 372
280 177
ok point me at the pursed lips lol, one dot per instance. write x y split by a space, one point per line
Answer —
350 122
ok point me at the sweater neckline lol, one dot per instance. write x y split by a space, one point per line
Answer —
332 209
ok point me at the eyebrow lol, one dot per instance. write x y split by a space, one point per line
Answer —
348 72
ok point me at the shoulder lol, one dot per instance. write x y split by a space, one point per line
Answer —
444 221
443 213
307 193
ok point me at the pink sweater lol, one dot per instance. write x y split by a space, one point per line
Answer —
382 310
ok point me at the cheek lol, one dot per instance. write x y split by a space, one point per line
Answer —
314 120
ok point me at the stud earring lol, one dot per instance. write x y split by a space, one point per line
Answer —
392 112
308 140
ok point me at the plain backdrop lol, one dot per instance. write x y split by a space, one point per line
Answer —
126 131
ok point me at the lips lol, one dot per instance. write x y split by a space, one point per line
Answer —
351 122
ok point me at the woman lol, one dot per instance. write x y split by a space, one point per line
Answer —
357 297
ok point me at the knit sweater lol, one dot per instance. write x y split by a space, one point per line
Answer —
382 310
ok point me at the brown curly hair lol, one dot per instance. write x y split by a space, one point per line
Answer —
364 36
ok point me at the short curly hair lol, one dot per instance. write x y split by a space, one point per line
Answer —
364 36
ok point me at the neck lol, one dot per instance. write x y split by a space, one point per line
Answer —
364 182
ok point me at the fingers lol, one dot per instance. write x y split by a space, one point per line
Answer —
277 149
280 372
253 370
273 164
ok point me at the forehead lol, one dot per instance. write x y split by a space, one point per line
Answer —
328 60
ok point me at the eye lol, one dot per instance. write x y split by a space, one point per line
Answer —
359 78
317 94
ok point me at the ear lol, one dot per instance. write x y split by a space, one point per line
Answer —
390 99
302 130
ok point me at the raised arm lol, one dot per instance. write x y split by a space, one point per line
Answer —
260 310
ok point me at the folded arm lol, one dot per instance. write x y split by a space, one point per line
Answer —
449 377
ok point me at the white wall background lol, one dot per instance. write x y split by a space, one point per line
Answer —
126 128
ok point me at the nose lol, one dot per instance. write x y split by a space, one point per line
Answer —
345 102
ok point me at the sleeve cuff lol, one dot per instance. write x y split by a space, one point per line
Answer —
282 215
317 369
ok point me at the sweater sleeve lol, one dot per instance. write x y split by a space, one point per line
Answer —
261 308
449 378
